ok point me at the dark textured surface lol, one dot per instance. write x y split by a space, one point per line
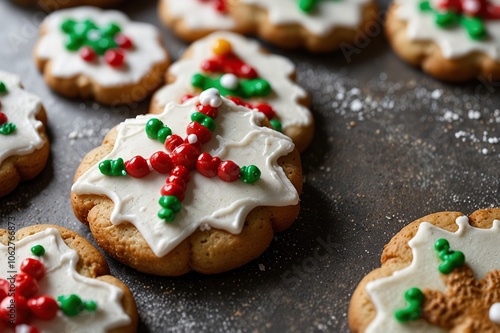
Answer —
391 145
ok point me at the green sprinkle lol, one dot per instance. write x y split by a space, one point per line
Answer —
38 250
276 124
3 87
7 129
415 298
250 174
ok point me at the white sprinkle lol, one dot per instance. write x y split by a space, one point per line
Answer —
73 135
229 81
192 138
474 114
356 105
436 94
262 267
484 151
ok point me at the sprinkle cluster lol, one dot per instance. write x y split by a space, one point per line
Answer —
470 14
182 156
20 300
92 41
238 80
6 128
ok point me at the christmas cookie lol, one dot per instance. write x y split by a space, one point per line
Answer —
51 5
317 25
87 52
53 280
453 40
247 75
203 186
194 19
24 147
441 273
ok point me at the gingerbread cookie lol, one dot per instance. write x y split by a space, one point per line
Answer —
51 5
87 52
441 273
211 201
24 147
317 25
234 64
194 19
452 40
53 280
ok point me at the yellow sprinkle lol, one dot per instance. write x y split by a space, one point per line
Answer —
221 46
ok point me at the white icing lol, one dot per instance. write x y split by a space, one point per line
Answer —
139 60
208 201
273 68
211 97
495 313
61 278
199 15
387 293
328 14
453 42
21 108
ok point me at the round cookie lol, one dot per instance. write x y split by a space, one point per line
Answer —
53 280
166 204
51 5
24 146
448 41
440 273
225 56
194 19
91 53
316 25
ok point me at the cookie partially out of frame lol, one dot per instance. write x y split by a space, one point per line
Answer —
89 53
229 60
195 19
52 5
466 47
440 273
24 146
62 284
166 209
316 25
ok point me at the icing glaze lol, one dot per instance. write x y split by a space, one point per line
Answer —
61 278
327 15
140 60
453 42
21 108
387 293
207 201
197 14
274 69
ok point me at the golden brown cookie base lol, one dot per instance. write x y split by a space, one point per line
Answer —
209 252
18 168
51 5
428 56
397 255
300 135
91 264
84 87
291 36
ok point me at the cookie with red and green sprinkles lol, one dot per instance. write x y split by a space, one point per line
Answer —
203 186
90 53
54 280
247 75
24 146
451 40
440 273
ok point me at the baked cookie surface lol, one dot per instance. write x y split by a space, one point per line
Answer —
62 284
446 39
318 26
440 273
165 203
24 146
229 61
91 53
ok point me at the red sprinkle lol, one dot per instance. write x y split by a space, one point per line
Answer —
123 41
137 167
88 54
115 58
228 171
